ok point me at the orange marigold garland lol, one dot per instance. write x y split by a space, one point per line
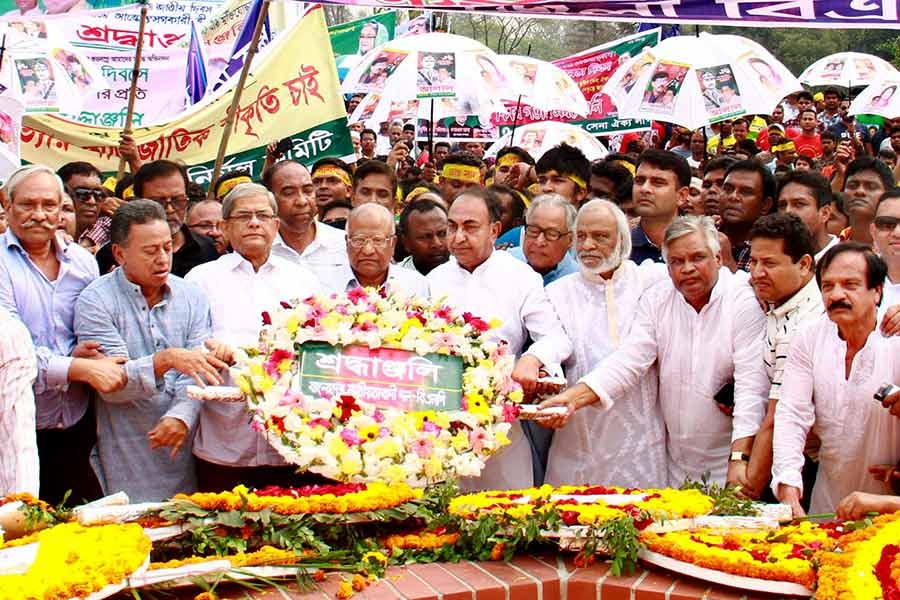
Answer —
865 564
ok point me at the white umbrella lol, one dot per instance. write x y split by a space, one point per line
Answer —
542 84
431 67
880 98
847 69
537 138
696 80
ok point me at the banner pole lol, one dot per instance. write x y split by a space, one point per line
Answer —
235 101
132 92
431 134
515 119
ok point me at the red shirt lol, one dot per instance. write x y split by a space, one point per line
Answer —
808 145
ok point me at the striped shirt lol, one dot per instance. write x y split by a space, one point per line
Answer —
18 440
782 322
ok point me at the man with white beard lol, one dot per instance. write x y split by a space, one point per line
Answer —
597 307
703 328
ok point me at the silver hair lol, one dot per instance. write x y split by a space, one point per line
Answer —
361 210
246 190
623 229
687 225
553 200
23 173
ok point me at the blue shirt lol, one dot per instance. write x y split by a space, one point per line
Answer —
565 267
47 308
642 248
510 239
114 312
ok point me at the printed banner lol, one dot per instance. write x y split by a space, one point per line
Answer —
385 377
457 129
821 14
436 75
351 40
302 94
721 95
663 87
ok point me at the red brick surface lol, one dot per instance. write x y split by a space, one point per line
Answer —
542 577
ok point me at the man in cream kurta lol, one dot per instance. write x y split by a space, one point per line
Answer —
703 328
492 285
597 307
835 365
240 286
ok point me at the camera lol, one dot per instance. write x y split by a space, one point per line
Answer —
884 391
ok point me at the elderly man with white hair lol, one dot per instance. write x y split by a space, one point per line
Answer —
371 239
239 287
549 224
703 329
597 307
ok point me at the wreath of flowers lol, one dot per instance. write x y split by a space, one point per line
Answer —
316 499
866 564
785 554
350 440
519 504
74 561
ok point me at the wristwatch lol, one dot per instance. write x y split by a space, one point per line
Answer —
739 457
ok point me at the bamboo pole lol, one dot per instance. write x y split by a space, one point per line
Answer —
236 99
132 93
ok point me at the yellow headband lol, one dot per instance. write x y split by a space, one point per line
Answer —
507 160
128 193
230 184
110 184
626 164
524 198
462 173
534 189
576 180
332 171
785 147
415 193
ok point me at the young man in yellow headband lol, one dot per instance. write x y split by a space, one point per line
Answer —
459 171
227 182
333 181
512 168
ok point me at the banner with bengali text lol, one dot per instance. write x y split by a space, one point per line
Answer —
820 14
292 91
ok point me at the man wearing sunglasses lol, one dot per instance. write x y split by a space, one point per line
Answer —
165 182
885 231
92 207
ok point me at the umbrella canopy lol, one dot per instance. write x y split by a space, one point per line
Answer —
537 138
880 98
697 80
432 66
847 69
542 84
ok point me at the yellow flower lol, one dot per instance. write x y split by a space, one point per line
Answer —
351 464
292 324
337 447
386 448
502 439
377 557
345 590
369 433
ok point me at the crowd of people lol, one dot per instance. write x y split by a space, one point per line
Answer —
721 303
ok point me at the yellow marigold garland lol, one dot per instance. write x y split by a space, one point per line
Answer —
849 574
74 561
266 555
375 496
420 541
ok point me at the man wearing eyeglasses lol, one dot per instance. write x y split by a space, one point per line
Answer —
371 239
92 208
240 286
548 237
165 182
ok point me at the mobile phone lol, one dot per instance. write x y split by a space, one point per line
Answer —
283 146
884 391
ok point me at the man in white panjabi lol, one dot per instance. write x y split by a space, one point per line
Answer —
239 286
492 284
834 367
704 329
597 307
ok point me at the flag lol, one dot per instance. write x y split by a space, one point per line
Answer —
242 43
195 75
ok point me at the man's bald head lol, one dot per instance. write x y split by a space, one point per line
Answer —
371 216
370 243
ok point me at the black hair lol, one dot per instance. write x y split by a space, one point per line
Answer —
790 229
195 193
620 176
768 179
419 205
888 195
887 153
806 110
827 135
565 160
668 161
834 91
520 153
375 167
369 131
77 168
518 208
336 204
486 195
136 212
815 181
747 145
876 269
805 95
839 203
228 176
123 184
719 163
154 170
463 158
870 163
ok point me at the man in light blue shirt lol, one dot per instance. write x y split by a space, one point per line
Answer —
41 276
157 322
547 241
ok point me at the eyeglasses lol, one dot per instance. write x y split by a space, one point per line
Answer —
85 194
245 217
551 235
178 203
359 241
886 224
